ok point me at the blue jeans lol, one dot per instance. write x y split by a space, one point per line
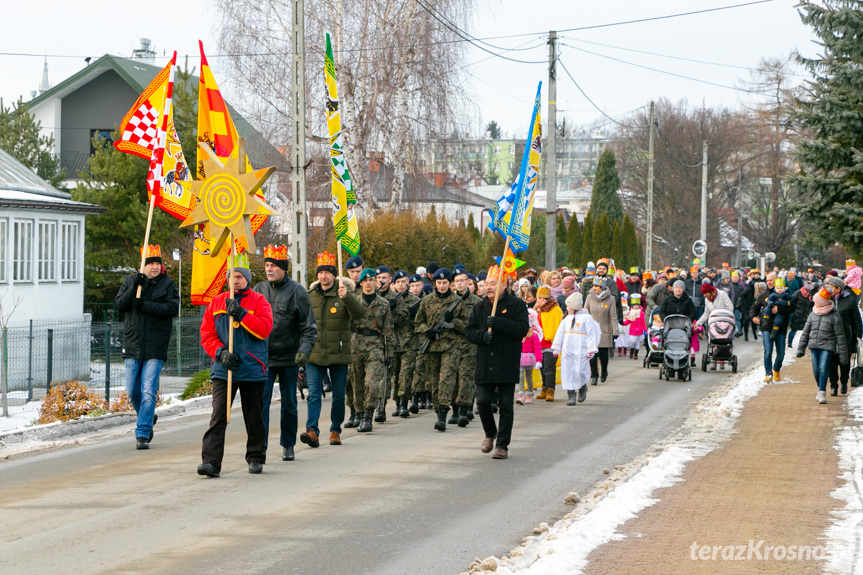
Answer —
288 388
821 366
315 381
768 351
791 334
142 385
738 320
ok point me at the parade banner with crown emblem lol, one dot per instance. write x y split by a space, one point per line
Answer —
344 198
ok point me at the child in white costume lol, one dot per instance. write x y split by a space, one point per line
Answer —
576 342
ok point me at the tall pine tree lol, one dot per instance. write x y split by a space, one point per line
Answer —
617 253
573 243
830 157
630 243
562 250
604 199
19 137
587 240
601 238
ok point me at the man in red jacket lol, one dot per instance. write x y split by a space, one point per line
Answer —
252 319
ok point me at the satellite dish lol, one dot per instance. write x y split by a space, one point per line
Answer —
752 255
699 248
770 257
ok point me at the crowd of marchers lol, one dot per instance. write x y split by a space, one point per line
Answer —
460 344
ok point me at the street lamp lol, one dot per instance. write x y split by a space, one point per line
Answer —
178 258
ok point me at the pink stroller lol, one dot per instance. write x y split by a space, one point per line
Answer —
721 326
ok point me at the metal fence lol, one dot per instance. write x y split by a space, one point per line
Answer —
50 352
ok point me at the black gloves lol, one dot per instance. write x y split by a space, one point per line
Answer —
234 308
447 316
140 279
138 304
433 334
301 359
490 321
486 337
799 354
229 360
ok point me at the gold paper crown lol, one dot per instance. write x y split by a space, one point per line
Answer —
276 252
241 260
849 263
153 251
326 259
493 272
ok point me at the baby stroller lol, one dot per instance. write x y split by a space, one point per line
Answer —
653 345
720 335
676 334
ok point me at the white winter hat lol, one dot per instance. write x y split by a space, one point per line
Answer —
574 301
421 271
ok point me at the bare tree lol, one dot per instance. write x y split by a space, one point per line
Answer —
396 63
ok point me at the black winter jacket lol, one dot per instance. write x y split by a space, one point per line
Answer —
767 324
498 361
294 327
678 306
802 308
146 333
847 306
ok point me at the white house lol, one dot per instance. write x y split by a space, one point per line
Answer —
41 248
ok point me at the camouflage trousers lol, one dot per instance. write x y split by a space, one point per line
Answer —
370 374
442 370
407 367
466 389
393 374
419 383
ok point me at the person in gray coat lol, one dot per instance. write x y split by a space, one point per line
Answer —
824 334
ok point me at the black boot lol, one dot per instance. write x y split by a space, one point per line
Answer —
470 411
381 415
494 407
429 403
463 420
415 404
365 421
440 424
397 411
843 388
353 421
454 417
403 409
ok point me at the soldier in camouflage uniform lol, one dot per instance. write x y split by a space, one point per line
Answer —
442 327
467 351
407 343
399 313
421 399
354 267
371 346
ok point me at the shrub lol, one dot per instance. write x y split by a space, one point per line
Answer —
199 386
67 401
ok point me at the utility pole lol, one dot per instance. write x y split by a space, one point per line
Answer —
704 200
298 182
551 161
740 218
649 243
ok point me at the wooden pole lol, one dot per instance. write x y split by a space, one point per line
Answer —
339 252
146 240
231 324
499 278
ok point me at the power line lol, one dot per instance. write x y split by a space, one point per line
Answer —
601 111
675 74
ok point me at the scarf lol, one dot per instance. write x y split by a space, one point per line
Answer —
822 306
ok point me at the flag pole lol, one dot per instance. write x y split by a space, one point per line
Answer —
146 240
231 325
499 277
339 252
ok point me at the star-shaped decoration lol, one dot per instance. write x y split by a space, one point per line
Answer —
508 263
227 198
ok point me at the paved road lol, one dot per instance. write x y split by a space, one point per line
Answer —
403 499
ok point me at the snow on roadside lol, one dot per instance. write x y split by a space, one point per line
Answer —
563 548
845 535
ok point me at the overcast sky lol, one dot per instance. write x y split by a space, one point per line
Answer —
724 43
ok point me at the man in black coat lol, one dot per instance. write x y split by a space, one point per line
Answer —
498 338
146 333
678 303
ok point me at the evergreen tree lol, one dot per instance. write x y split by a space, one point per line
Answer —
617 253
601 238
604 199
562 250
587 240
471 226
573 243
534 256
830 156
630 243
19 137
493 130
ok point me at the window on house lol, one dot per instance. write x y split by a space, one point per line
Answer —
509 166
497 149
47 251
3 257
69 251
22 254
103 136
512 148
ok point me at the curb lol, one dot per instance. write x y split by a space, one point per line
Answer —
64 430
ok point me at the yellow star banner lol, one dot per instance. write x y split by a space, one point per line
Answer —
227 199
508 264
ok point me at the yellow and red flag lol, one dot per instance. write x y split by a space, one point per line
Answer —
216 129
147 130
